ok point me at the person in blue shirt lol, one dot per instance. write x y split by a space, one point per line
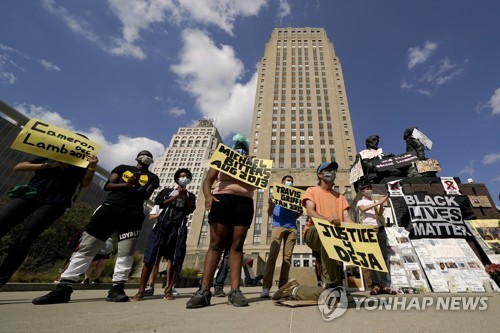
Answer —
284 231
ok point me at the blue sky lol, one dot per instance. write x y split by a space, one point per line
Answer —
128 73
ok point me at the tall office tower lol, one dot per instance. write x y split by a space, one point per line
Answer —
301 118
190 148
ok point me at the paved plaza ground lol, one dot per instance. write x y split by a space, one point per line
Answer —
88 312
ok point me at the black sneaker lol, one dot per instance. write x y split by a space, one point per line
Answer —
86 281
219 292
199 300
96 281
62 294
237 298
117 294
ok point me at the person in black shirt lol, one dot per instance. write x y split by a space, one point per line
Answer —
54 185
121 212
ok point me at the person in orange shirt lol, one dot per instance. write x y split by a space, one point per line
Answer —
323 202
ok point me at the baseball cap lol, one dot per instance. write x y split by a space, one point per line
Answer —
145 152
326 165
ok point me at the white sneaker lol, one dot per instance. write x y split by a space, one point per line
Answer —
175 292
264 293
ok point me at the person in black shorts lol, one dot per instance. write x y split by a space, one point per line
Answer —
52 190
121 212
231 214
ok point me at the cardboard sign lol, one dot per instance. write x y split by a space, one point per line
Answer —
450 185
479 201
394 162
433 216
422 138
395 189
371 153
489 232
288 197
352 243
252 171
428 166
43 139
356 172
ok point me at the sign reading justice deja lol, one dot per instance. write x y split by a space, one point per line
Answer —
43 139
352 243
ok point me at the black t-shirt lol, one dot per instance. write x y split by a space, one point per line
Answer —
56 185
177 211
132 197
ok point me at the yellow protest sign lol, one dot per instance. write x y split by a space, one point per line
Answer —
43 139
352 243
253 171
288 197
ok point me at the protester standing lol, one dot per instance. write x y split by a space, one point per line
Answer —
51 191
121 212
284 230
231 213
169 236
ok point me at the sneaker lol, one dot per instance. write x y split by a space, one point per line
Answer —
286 291
237 298
62 294
219 292
96 281
199 300
149 291
175 292
117 294
86 281
264 293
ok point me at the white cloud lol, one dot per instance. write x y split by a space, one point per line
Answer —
43 113
467 170
417 55
8 66
284 9
75 24
177 112
48 65
426 79
123 151
496 179
491 158
210 73
136 16
494 102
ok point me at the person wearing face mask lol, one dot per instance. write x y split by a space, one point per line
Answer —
323 202
371 212
169 235
122 212
231 209
284 230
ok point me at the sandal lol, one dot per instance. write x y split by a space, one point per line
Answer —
389 291
375 290
138 297
169 296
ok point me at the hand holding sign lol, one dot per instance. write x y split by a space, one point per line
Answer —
352 243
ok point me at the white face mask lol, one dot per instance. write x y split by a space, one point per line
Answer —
329 177
241 151
183 181
288 183
368 193
144 159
